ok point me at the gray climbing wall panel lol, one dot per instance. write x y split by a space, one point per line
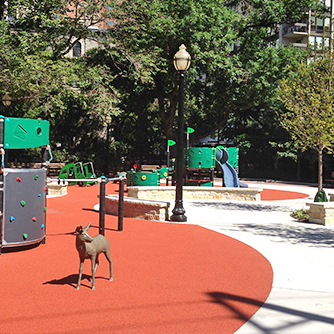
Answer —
24 206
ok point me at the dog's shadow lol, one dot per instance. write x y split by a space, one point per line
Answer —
72 280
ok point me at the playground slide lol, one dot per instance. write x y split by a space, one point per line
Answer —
230 175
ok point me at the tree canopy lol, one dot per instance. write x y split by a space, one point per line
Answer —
130 75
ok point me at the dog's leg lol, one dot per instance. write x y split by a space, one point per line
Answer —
108 257
94 264
80 274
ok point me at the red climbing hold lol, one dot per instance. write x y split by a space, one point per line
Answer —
18 179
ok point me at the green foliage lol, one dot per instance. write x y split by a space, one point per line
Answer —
130 74
308 98
301 215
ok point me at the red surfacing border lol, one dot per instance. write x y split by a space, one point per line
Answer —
168 278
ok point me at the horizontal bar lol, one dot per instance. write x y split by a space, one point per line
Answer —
86 180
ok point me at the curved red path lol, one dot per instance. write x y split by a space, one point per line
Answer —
168 278
276 195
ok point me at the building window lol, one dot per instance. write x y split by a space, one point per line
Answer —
77 49
319 25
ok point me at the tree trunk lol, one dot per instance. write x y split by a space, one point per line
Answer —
320 168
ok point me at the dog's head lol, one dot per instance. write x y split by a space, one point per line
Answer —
82 233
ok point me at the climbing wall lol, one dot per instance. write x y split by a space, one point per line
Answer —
24 206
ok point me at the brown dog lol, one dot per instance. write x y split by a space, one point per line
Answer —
89 248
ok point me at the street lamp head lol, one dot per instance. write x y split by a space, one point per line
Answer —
182 59
108 119
6 100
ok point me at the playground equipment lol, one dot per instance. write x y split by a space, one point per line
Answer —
23 190
78 171
200 164
149 175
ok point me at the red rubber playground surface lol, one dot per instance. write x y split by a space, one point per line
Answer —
168 278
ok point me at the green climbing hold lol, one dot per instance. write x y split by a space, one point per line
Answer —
23 203
36 177
44 209
25 236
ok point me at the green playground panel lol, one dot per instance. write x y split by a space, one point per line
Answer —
21 133
201 157
233 156
163 172
201 184
142 178
146 179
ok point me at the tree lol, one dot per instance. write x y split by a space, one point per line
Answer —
221 37
307 94
74 95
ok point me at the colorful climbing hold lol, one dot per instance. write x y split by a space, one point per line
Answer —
36 177
45 209
34 219
12 218
42 226
25 236
18 179
45 189
39 195
23 203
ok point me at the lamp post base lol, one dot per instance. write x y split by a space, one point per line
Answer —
178 212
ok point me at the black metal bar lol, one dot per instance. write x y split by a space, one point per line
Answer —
178 211
102 205
121 205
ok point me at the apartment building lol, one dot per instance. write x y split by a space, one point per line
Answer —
311 31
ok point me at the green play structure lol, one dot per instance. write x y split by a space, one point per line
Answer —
200 164
78 171
146 177
23 190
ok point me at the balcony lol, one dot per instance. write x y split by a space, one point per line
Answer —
297 31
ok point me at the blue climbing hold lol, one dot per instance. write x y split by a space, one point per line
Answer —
39 195
12 218
42 226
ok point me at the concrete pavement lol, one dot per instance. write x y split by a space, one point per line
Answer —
301 254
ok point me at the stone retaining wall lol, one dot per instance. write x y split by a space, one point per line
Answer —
136 208
208 193
55 189
321 213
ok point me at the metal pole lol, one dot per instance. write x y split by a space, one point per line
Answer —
121 205
178 211
102 205
168 157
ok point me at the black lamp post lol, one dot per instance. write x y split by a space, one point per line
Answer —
108 120
181 63
7 101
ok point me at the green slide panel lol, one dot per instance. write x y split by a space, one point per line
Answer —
20 133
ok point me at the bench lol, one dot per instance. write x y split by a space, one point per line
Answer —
331 180
149 168
54 168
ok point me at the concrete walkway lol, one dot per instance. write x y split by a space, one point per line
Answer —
302 257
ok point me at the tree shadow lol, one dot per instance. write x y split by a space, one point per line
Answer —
313 236
230 206
227 300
